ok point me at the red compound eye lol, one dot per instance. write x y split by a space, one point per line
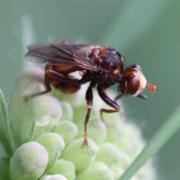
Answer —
133 85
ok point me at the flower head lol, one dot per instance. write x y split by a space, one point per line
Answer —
48 134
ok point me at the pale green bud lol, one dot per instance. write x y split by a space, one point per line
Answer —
46 112
97 171
115 158
28 162
68 130
81 155
117 171
79 113
54 177
126 136
64 167
78 98
115 134
111 155
67 110
96 130
62 96
29 82
53 143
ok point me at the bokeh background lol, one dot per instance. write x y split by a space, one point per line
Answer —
145 32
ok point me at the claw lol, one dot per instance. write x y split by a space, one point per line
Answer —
85 142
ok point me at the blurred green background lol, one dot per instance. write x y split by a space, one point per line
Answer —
145 32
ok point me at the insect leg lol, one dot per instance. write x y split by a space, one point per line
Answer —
106 111
108 101
89 100
59 81
48 89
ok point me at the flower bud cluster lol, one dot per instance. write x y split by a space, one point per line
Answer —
48 133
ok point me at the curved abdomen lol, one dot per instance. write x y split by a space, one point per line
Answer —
57 76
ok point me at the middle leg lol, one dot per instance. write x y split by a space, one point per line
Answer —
89 100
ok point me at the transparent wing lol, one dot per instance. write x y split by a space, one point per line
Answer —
61 54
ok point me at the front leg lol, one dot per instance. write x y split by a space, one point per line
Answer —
108 101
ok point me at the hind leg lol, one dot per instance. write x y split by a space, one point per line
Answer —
59 81
47 90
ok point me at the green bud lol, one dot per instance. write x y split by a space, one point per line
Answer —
126 136
81 155
115 131
147 172
46 112
67 110
79 113
62 96
111 155
96 130
78 98
29 82
97 171
68 130
117 171
28 162
53 143
64 167
54 177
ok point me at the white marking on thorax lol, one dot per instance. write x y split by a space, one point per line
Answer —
76 75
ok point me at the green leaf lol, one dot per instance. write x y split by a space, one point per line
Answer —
155 144
5 126
4 168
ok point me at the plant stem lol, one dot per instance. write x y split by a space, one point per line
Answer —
155 144
7 126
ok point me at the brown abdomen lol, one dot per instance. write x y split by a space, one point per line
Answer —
60 80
